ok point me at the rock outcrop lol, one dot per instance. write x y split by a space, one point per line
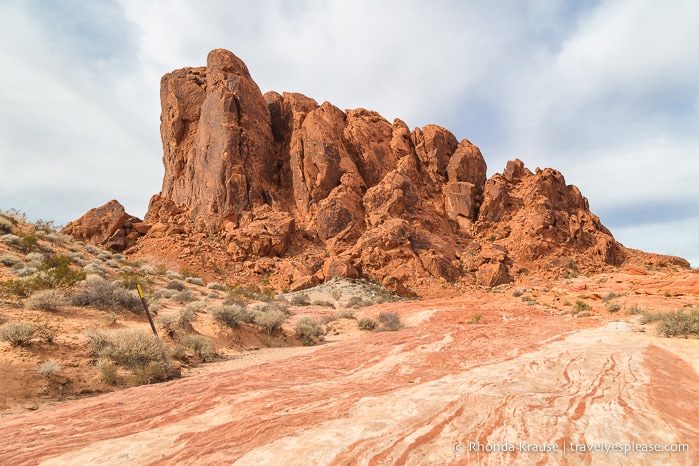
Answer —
108 226
255 183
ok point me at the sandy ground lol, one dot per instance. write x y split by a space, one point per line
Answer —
440 391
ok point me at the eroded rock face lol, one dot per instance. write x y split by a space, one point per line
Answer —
108 226
280 176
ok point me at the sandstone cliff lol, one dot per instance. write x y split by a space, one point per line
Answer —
276 186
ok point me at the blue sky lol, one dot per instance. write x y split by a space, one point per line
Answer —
605 91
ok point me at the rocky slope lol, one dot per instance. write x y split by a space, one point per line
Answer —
417 396
280 187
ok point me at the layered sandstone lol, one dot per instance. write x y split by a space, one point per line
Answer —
280 176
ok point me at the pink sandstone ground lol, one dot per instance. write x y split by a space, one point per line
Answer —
416 396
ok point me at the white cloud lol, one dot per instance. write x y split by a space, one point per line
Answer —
606 91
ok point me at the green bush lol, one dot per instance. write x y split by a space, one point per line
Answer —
390 322
148 373
17 333
201 346
475 319
679 323
365 323
108 372
581 306
613 307
46 300
648 317
308 330
6 224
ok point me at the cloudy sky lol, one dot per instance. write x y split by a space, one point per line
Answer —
606 91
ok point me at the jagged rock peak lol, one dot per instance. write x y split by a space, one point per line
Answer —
280 176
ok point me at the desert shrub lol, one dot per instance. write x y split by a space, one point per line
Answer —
112 263
132 348
77 256
581 306
634 310
517 293
175 285
148 269
105 255
283 306
95 267
22 287
185 317
609 296
35 259
129 279
345 314
48 368
169 324
355 302
679 323
148 373
6 224
194 281
92 249
200 345
613 307
164 293
475 319
270 319
17 333
308 330
107 296
217 286
229 315
55 272
235 300
365 323
11 240
184 296
45 300
300 300
108 372
27 242
648 317
10 260
390 322
195 306
323 303
97 341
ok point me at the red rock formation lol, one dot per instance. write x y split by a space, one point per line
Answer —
278 175
108 226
